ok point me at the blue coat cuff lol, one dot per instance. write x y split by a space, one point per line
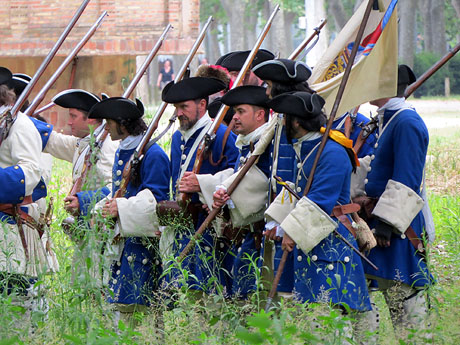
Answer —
40 190
89 198
13 184
44 129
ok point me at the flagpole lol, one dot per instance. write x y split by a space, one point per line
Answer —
330 121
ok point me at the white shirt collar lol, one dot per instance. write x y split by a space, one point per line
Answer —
307 137
130 142
203 121
243 140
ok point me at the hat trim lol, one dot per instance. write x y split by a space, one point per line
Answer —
65 92
277 62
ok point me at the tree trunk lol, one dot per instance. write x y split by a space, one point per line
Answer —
407 31
314 11
288 21
456 6
424 7
438 27
214 51
235 11
340 16
250 25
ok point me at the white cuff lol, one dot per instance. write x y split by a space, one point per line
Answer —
308 224
283 204
137 216
357 184
398 205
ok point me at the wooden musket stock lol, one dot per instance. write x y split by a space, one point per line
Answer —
249 163
335 107
138 153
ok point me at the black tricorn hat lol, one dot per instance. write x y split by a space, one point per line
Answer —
5 75
213 109
405 77
76 98
19 82
191 88
298 103
234 61
117 108
247 94
283 71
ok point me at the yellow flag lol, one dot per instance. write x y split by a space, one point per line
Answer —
375 70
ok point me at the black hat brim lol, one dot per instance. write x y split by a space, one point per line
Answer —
76 98
247 94
234 61
5 75
214 107
117 108
300 104
17 84
191 88
283 71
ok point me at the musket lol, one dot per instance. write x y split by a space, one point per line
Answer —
260 148
432 70
138 153
25 94
343 83
44 108
102 135
41 95
294 55
372 125
205 144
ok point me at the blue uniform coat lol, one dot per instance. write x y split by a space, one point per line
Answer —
135 276
399 155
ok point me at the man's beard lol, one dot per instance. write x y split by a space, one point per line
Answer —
185 123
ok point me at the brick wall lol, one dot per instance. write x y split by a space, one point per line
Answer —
30 27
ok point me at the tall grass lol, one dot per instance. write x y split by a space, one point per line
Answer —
78 313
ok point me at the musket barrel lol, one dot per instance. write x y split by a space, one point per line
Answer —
25 94
129 90
425 76
156 118
239 79
307 40
41 95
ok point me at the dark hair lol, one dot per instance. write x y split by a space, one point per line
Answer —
198 100
278 88
133 127
310 124
266 111
7 95
86 114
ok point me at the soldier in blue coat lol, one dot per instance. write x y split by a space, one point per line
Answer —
281 76
250 197
393 185
190 98
133 246
325 268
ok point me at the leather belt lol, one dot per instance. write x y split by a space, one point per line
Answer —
21 218
340 213
368 204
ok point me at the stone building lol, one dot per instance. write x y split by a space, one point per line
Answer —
29 29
